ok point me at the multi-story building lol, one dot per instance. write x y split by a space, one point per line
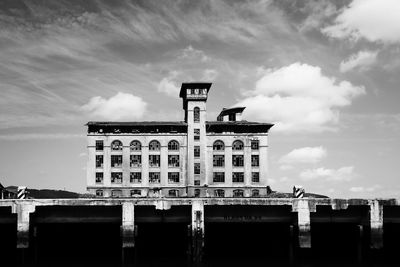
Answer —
193 158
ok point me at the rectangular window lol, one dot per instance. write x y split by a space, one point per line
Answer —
99 177
254 144
196 182
136 161
173 161
154 160
197 168
218 177
154 177
237 160
136 177
255 161
255 177
116 161
99 161
116 177
238 177
173 177
99 145
116 193
197 151
196 134
218 160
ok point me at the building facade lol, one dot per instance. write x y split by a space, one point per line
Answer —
191 158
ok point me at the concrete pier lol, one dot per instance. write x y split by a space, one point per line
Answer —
376 223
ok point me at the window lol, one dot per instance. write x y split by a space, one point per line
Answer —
255 161
238 177
218 160
237 160
154 145
99 161
116 161
218 177
99 177
254 144
154 177
232 117
116 177
218 145
255 177
173 161
116 145
197 151
197 168
173 193
196 182
219 193
196 114
136 161
173 145
173 177
255 193
136 193
154 160
116 193
197 193
238 193
99 145
196 134
136 177
237 145
136 146
99 193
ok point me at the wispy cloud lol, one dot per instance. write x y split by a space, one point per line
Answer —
39 136
362 61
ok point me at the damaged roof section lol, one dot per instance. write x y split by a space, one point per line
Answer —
237 127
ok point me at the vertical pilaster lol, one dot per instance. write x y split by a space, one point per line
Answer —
164 166
126 168
247 165
145 164
23 211
303 220
376 222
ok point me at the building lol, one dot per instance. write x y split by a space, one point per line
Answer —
190 158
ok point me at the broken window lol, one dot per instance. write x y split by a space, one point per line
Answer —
154 145
99 161
218 177
255 144
136 146
196 134
238 177
173 161
116 145
255 193
218 160
173 177
173 145
116 193
116 161
197 193
154 161
99 177
99 145
99 193
116 177
136 193
197 168
136 177
136 161
219 193
219 145
196 114
237 160
255 160
237 145
154 177
173 193
255 177
238 193
196 182
197 151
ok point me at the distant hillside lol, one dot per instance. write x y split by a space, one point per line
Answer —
48 193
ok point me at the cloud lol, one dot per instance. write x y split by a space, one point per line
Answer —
363 60
299 98
189 53
341 174
304 155
39 136
168 85
209 75
122 106
374 20
360 189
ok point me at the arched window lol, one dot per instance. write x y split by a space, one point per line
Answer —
219 193
116 145
255 193
173 145
196 114
136 146
238 193
237 145
219 145
99 193
136 193
154 145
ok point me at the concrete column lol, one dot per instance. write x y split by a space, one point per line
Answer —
303 220
23 211
197 235
128 233
360 245
126 168
376 222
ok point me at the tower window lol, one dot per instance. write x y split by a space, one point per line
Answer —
254 144
197 168
196 114
197 151
99 161
197 193
255 160
99 145
116 145
255 177
99 177
196 133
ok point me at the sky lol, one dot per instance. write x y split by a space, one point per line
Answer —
326 73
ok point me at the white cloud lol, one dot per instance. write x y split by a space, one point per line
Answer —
304 155
299 98
122 106
168 84
191 53
341 174
39 136
359 189
286 167
374 20
209 75
363 60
